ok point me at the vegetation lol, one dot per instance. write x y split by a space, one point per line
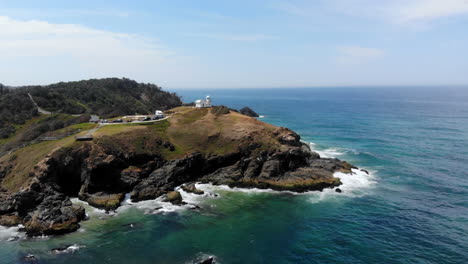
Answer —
220 110
105 97
15 109
57 125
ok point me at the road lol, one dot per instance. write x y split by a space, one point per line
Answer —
135 122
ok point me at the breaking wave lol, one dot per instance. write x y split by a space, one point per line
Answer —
11 233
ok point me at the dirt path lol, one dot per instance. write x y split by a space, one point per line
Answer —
40 110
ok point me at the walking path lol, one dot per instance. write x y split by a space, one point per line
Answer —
40 110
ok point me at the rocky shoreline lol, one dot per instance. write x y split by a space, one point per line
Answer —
101 176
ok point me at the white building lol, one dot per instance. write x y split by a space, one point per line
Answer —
203 103
159 114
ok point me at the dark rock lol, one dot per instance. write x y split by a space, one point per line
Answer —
220 110
288 137
194 207
174 197
29 259
54 216
145 192
271 168
103 200
208 260
131 176
190 188
338 190
248 112
167 177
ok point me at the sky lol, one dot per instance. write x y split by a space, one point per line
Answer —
236 44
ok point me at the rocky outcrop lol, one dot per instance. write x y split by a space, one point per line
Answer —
248 112
102 172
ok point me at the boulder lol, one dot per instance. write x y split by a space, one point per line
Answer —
104 201
144 192
174 197
10 220
54 219
190 188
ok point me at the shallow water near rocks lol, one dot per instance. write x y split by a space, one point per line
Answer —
412 208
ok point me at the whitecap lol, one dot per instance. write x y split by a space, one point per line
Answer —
355 184
326 153
11 233
70 249
155 206
90 210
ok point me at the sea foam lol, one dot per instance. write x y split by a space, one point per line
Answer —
11 233
355 184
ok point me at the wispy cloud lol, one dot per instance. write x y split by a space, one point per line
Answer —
60 12
234 37
81 50
395 11
352 55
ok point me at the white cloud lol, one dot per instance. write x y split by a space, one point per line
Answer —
391 11
352 55
36 51
424 10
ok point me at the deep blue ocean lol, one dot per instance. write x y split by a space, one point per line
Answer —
412 208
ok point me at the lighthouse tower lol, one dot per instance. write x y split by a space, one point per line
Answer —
208 101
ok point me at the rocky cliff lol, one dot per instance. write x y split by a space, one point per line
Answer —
149 161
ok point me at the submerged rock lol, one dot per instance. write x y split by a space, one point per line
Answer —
67 249
208 260
31 259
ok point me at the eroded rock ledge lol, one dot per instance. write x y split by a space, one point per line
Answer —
102 175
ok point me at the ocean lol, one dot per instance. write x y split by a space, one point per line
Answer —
411 208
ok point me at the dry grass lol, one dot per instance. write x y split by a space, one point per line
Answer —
26 158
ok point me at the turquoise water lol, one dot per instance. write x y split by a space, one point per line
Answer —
413 208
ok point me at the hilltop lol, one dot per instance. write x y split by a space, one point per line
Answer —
213 145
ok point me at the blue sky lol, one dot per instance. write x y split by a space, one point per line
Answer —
218 44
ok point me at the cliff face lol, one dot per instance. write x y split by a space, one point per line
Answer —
196 145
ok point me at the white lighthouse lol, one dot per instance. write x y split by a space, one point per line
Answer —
203 103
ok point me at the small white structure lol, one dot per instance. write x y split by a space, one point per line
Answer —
159 114
203 103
